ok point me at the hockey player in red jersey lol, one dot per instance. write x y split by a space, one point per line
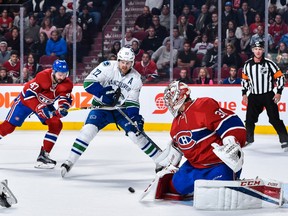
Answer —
38 96
209 137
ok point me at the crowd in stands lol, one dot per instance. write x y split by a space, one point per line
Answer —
195 39
48 32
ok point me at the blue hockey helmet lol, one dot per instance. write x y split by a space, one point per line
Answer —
60 66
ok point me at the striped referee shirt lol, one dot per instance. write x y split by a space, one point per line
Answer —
260 78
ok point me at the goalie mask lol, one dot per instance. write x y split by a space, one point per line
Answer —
175 95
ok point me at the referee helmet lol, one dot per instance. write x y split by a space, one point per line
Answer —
258 44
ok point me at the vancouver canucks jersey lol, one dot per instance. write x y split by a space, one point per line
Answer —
108 74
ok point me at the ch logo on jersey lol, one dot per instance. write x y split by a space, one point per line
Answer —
184 140
44 99
160 104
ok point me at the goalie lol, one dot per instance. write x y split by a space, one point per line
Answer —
209 137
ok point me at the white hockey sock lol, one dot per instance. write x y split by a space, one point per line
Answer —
87 133
149 148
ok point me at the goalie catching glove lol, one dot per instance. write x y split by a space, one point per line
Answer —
170 156
230 153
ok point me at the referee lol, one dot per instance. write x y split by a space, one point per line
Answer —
258 77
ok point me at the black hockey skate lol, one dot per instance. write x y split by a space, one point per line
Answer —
66 167
44 161
7 198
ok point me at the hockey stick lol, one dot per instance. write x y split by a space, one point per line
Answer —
136 126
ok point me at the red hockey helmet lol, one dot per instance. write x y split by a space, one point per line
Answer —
175 95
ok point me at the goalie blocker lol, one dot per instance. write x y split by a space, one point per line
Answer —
242 194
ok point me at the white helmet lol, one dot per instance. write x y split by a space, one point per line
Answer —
126 54
175 95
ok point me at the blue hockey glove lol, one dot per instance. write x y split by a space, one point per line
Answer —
138 121
43 111
62 111
109 96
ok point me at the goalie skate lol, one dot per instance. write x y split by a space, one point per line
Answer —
7 198
44 161
65 168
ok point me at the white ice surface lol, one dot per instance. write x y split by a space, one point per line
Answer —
98 183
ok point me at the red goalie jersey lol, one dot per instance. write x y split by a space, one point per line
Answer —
42 90
202 123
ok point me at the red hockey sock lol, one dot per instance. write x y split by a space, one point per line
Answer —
6 128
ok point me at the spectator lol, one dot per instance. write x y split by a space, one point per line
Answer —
67 35
32 67
245 16
6 23
272 12
31 33
16 21
115 47
210 58
143 21
162 58
86 22
137 51
151 43
94 7
203 77
156 5
184 77
236 29
282 58
112 57
186 12
203 20
212 27
13 39
232 79
277 30
178 40
39 47
228 14
257 22
147 68
47 27
202 46
186 58
68 4
128 38
245 47
4 52
186 30
165 17
13 66
231 57
160 30
261 37
4 77
61 19
56 45
232 39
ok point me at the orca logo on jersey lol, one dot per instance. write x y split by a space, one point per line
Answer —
184 140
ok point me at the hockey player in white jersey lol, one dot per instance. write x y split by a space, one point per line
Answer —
113 84
7 198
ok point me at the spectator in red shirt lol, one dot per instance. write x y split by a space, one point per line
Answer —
147 68
278 29
6 22
13 66
138 52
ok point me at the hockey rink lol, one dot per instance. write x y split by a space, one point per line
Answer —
98 183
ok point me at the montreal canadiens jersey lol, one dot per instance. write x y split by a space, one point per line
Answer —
41 89
202 123
108 74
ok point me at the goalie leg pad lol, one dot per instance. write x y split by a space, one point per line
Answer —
184 179
242 194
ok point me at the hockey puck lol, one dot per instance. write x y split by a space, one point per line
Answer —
131 190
